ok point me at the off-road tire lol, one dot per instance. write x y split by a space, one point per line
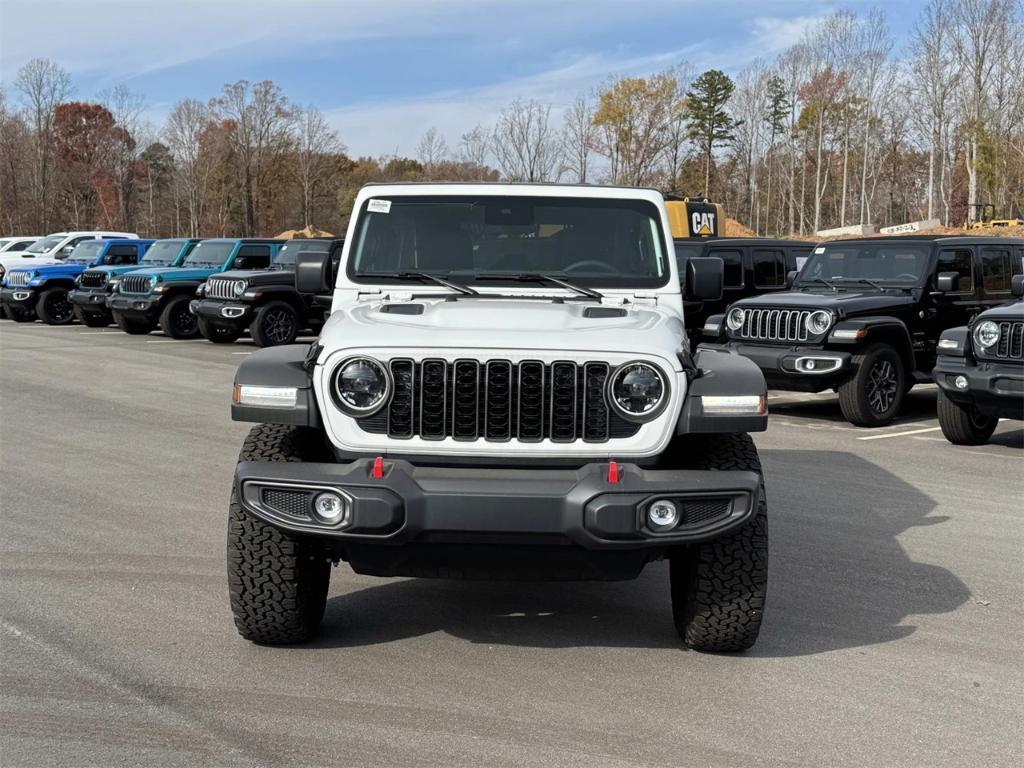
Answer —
51 305
91 319
275 323
719 586
879 373
963 424
218 334
133 326
277 583
172 319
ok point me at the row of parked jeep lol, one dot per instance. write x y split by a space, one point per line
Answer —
867 318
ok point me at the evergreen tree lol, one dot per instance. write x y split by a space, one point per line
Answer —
710 125
775 116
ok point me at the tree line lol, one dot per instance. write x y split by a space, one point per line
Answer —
835 131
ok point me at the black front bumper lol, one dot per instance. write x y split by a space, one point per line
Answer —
413 507
21 297
779 364
134 304
229 313
996 389
93 301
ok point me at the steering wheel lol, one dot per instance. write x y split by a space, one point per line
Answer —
592 263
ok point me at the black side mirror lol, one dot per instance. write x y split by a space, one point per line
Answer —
791 277
704 278
1017 286
313 273
946 282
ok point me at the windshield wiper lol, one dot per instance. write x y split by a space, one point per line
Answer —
542 277
872 283
833 286
443 281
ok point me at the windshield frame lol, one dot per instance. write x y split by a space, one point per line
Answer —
500 282
805 280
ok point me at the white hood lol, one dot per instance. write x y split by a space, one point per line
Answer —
478 324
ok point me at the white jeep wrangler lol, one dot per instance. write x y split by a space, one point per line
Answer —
504 389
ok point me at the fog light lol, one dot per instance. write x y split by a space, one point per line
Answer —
662 515
810 365
330 507
960 382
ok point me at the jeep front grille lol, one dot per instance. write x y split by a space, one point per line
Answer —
17 278
222 289
499 400
774 325
1011 342
134 284
93 279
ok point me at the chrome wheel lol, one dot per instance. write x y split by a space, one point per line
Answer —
279 326
882 385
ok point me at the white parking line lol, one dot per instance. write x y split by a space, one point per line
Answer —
176 341
900 434
94 333
241 353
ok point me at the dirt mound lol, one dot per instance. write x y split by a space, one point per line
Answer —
734 229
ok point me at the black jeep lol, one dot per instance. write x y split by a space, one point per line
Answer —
264 301
980 372
864 316
752 266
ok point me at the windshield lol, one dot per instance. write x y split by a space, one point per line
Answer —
47 243
290 250
893 264
209 254
163 252
594 242
86 253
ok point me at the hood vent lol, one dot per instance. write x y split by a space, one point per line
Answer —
604 312
402 309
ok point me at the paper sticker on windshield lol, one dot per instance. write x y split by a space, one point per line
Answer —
379 206
820 249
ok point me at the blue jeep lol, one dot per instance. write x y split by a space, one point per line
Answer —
97 283
43 291
145 297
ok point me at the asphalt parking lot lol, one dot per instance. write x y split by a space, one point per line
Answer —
892 634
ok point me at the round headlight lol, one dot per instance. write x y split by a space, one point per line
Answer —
152 283
361 386
637 391
735 318
987 333
238 288
818 322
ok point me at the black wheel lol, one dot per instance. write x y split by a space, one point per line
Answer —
177 320
964 424
874 395
20 315
277 584
275 323
719 586
54 307
218 334
133 326
91 319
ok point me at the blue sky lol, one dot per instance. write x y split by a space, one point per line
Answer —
385 71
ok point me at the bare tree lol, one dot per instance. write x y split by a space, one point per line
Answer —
792 66
475 146
316 145
125 147
749 103
874 46
525 144
184 131
44 85
578 138
432 150
677 140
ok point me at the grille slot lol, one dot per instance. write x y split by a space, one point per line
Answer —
222 289
134 284
92 279
1011 342
774 325
697 511
291 503
17 278
499 401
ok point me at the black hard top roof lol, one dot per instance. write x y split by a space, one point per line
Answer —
965 239
743 241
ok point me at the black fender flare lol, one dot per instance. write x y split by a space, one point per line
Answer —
289 366
285 293
722 373
878 328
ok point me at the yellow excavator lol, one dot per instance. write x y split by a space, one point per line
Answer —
987 218
694 217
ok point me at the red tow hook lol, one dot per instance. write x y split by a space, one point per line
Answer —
614 474
378 468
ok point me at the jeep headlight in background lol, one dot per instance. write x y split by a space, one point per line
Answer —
986 334
818 322
361 386
734 320
152 283
637 391
238 288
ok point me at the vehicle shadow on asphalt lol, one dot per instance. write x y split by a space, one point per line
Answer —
918 405
838 578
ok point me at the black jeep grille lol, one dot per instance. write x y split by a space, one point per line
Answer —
499 400
1011 341
134 284
93 279
774 325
